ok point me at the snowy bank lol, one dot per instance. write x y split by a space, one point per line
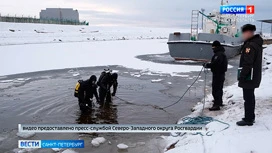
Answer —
252 139
27 33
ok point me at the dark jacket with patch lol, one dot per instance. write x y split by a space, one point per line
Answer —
87 90
251 58
106 81
219 62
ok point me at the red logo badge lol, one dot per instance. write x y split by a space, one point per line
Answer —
250 9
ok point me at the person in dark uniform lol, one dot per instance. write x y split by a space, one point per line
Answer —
218 66
105 82
250 60
86 90
114 83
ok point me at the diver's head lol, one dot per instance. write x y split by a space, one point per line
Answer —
114 76
107 70
93 79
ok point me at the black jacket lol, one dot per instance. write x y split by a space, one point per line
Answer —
87 90
251 58
219 62
106 81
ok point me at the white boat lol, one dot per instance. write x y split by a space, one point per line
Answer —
197 46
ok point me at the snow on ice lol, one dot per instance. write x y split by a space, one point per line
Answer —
39 53
100 139
179 75
253 139
97 141
51 33
25 134
156 80
40 57
56 149
69 151
122 146
169 82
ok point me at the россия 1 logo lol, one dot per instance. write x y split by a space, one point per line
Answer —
237 9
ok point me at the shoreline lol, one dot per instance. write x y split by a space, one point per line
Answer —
254 139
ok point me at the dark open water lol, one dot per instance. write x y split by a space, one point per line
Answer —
47 97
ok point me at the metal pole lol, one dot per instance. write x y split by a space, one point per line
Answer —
271 31
261 28
204 98
202 26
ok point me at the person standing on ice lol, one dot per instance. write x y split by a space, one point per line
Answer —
85 91
218 66
105 82
251 71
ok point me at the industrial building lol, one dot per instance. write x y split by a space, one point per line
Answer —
61 14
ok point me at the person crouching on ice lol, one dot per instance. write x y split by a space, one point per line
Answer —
84 91
218 66
105 82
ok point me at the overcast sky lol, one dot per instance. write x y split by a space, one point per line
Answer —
155 13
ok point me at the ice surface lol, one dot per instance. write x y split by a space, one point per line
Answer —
58 56
56 149
100 139
25 134
156 80
179 75
6 81
69 151
27 33
122 146
50 56
141 143
2 138
16 150
97 141
28 150
135 74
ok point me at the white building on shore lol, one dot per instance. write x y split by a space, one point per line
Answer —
60 14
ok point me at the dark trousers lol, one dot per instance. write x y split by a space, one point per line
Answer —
249 104
82 104
217 88
104 95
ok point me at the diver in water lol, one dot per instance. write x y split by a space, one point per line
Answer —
105 82
85 91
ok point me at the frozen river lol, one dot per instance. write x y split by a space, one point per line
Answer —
47 96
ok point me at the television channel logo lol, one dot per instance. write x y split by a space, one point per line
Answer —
50 143
29 144
237 9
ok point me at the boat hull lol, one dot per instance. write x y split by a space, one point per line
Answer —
200 51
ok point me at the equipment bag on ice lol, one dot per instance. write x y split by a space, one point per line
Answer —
77 88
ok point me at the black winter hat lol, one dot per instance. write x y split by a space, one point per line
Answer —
216 44
115 76
93 78
248 27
